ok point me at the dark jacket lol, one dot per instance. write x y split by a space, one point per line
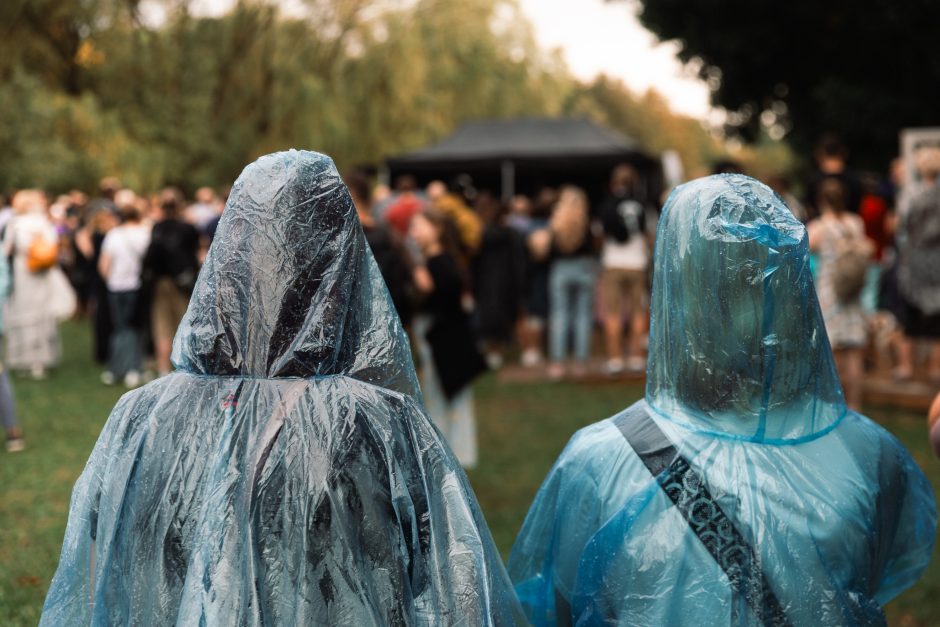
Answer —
453 346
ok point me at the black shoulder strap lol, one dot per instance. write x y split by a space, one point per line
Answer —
687 490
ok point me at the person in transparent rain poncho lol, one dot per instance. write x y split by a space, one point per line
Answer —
741 490
286 473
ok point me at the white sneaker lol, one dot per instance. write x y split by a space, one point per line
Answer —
107 377
636 364
494 361
613 367
15 445
37 373
531 358
132 379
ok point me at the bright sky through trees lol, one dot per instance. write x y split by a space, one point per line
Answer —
595 37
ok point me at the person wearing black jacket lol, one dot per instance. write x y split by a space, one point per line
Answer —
498 279
447 351
170 268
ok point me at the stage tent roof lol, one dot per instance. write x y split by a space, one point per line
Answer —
523 154
523 141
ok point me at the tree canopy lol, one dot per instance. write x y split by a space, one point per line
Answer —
100 87
863 70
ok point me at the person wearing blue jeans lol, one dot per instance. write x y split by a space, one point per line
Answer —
14 435
122 254
125 358
571 290
571 281
15 442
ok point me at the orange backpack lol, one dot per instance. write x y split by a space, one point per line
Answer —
41 255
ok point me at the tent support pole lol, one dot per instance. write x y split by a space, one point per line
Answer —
508 180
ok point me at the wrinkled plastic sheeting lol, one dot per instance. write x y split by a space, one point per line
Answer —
287 473
741 380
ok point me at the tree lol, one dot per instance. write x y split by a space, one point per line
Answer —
100 87
646 119
861 70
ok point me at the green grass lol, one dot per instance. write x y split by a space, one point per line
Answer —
522 428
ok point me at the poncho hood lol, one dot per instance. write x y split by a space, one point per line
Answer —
289 287
737 343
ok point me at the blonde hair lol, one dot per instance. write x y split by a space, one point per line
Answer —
569 221
29 201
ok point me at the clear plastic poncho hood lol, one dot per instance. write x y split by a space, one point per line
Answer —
292 290
737 341
286 474
745 453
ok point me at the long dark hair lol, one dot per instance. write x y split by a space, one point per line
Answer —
831 195
449 239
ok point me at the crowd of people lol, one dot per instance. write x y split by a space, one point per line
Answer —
288 472
125 261
539 274
476 280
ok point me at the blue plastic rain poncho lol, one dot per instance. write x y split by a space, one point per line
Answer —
772 503
286 474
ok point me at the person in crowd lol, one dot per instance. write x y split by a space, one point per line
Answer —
625 263
70 209
32 332
406 203
741 489
452 203
538 246
887 330
446 347
572 276
170 266
918 268
213 224
11 427
832 163
379 200
727 166
843 254
88 243
521 218
120 264
286 473
874 211
107 188
206 209
6 212
781 184
387 247
498 279
933 425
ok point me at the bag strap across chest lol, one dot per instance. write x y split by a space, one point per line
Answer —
686 488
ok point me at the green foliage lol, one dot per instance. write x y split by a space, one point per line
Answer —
648 120
863 70
193 99
91 87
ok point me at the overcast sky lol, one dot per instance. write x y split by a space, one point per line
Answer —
597 36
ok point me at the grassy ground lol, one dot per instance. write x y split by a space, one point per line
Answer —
522 428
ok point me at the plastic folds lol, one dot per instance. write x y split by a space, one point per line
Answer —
286 474
772 503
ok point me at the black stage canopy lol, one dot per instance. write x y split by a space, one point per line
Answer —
519 156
